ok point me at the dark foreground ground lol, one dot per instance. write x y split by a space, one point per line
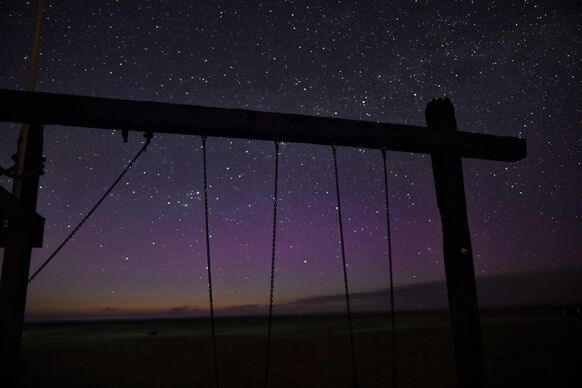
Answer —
534 348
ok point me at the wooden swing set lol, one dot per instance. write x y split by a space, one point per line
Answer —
21 229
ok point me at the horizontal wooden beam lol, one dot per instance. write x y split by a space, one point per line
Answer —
97 112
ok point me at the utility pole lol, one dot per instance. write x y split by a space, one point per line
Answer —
16 264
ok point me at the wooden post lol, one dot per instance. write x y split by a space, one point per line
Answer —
458 254
16 264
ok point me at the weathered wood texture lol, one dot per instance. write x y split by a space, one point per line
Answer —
96 112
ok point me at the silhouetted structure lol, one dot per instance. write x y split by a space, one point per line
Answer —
441 139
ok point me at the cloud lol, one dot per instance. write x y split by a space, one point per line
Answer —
247 309
179 310
359 301
534 288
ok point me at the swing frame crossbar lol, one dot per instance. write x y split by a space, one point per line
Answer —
158 117
441 139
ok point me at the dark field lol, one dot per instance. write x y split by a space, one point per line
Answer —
522 349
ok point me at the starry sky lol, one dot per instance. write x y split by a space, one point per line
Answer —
510 67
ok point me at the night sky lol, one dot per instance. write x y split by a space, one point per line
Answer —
510 67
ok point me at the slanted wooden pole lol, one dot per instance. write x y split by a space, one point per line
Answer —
16 262
458 254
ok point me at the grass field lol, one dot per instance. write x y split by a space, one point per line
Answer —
527 348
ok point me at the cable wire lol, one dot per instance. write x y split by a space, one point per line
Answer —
148 137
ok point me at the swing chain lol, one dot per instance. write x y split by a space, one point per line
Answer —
208 263
274 241
345 270
389 241
273 250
